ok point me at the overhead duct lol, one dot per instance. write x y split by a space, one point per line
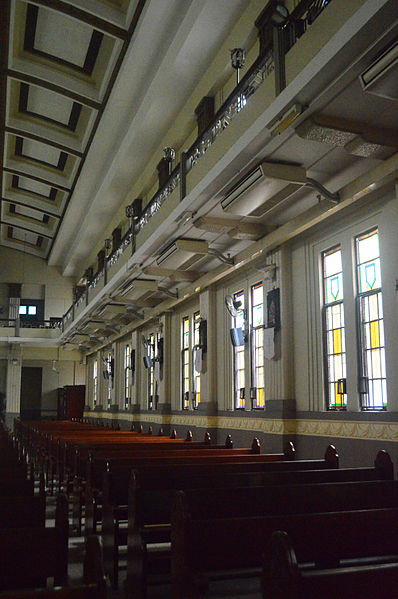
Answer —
264 188
139 289
182 253
381 77
109 311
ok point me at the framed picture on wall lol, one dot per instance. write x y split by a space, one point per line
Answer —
273 309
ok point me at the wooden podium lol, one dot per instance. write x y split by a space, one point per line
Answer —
71 402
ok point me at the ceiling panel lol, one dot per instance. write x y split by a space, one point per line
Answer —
46 104
61 69
71 47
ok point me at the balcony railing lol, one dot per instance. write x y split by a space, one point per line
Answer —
53 323
305 13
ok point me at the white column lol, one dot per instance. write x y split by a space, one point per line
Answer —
14 365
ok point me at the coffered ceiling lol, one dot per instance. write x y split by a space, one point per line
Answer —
76 77
60 61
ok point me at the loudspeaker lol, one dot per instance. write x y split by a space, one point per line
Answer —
237 337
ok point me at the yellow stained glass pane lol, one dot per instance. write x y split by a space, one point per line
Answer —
374 334
260 397
338 396
337 341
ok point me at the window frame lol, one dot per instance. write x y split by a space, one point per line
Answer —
186 374
361 298
196 319
127 376
256 332
95 382
340 383
239 352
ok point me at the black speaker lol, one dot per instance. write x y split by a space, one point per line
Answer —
147 361
237 337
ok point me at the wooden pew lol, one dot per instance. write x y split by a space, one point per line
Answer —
150 502
221 530
97 463
32 554
171 461
285 578
201 549
70 453
94 586
151 498
22 510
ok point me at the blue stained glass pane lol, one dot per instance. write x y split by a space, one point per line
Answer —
370 274
335 287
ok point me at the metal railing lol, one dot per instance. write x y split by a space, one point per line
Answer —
34 324
305 13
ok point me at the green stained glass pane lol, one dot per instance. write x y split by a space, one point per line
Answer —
258 315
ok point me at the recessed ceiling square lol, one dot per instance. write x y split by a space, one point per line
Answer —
72 45
44 102
39 151
35 186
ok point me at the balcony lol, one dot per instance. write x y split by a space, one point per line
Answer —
43 330
251 113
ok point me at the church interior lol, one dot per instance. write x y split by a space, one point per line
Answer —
198 260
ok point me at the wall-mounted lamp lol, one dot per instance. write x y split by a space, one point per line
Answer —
238 59
169 154
108 246
281 16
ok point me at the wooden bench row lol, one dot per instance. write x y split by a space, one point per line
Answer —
215 513
31 552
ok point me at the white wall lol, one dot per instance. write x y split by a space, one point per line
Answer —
33 273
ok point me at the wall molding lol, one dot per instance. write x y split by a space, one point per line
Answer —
371 431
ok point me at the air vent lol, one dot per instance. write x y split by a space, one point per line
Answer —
139 289
381 77
182 252
265 187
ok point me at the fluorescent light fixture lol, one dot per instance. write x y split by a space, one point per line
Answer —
262 189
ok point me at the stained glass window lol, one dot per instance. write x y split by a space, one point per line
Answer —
109 378
239 355
257 362
127 376
95 382
151 370
373 381
185 362
334 330
196 374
